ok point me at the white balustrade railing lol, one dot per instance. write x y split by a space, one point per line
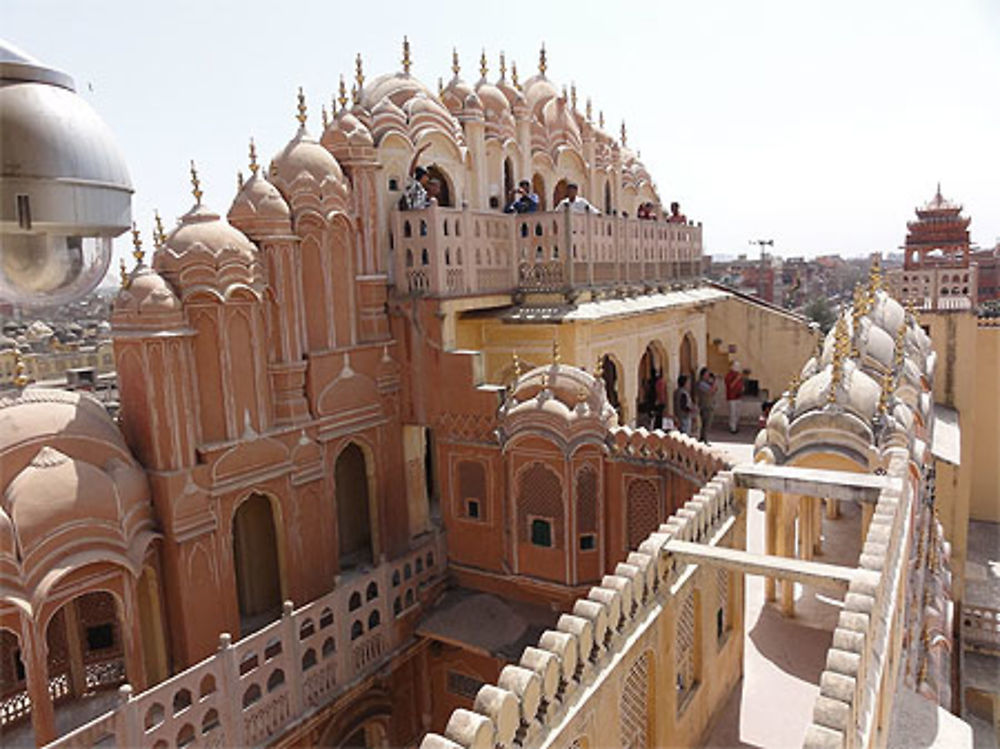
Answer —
981 627
453 252
252 690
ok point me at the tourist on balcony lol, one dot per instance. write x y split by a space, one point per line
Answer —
573 202
705 395
683 410
676 217
659 398
433 191
734 391
523 199
415 197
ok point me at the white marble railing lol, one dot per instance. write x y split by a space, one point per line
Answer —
455 252
252 690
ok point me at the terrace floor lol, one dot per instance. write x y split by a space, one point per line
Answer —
772 705
69 716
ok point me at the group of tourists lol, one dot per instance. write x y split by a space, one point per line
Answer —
693 401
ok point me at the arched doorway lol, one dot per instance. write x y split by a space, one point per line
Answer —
508 182
85 644
652 368
688 358
354 529
255 556
445 198
609 371
560 191
538 187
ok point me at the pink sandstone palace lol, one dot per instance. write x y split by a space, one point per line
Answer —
384 477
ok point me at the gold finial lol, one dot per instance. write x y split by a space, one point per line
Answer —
900 344
254 166
302 116
159 237
359 75
517 367
195 184
440 85
122 273
624 134
874 276
793 388
545 380
839 349
572 96
483 68
324 117
883 399
406 56
513 76
137 252
239 180
588 110
922 673
600 119
599 369
542 62
456 68
20 378
342 94
355 95
503 66
556 358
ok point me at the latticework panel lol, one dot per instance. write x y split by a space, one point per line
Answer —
586 500
684 645
634 706
539 493
472 485
643 508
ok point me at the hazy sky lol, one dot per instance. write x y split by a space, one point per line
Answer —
818 124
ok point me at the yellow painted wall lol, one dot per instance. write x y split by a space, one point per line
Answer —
984 504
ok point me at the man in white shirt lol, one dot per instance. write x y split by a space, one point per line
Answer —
573 201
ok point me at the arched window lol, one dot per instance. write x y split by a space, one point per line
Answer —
540 499
353 519
255 557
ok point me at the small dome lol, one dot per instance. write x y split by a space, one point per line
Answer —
494 101
560 123
537 91
558 390
453 95
304 155
386 118
147 293
258 209
346 132
39 415
399 87
200 229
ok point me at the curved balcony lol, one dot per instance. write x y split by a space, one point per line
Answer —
450 252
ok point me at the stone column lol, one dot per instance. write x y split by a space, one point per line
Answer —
34 652
131 628
74 650
772 503
786 548
424 679
832 510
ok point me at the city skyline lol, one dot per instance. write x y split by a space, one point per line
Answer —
777 122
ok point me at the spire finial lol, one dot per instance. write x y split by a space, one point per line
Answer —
355 94
254 166
324 116
503 66
589 110
137 252
513 76
517 367
600 119
342 93
302 116
359 74
939 191
456 68
20 378
624 135
572 96
883 398
195 184
406 56
839 351
875 276
599 369
159 237
440 85
122 274
239 180
556 357
483 68
543 64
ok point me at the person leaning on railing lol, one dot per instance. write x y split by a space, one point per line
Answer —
415 197
523 199
573 202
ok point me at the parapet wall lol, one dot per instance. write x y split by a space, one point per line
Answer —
635 644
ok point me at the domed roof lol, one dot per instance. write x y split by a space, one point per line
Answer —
304 155
454 95
202 230
399 87
537 91
346 132
259 209
146 294
558 119
39 415
494 101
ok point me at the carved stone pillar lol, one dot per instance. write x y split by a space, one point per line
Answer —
34 655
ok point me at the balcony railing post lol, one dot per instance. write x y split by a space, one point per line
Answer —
470 268
230 704
127 729
568 234
515 259
437 270
290 635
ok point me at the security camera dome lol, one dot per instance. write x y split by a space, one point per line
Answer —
64 188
